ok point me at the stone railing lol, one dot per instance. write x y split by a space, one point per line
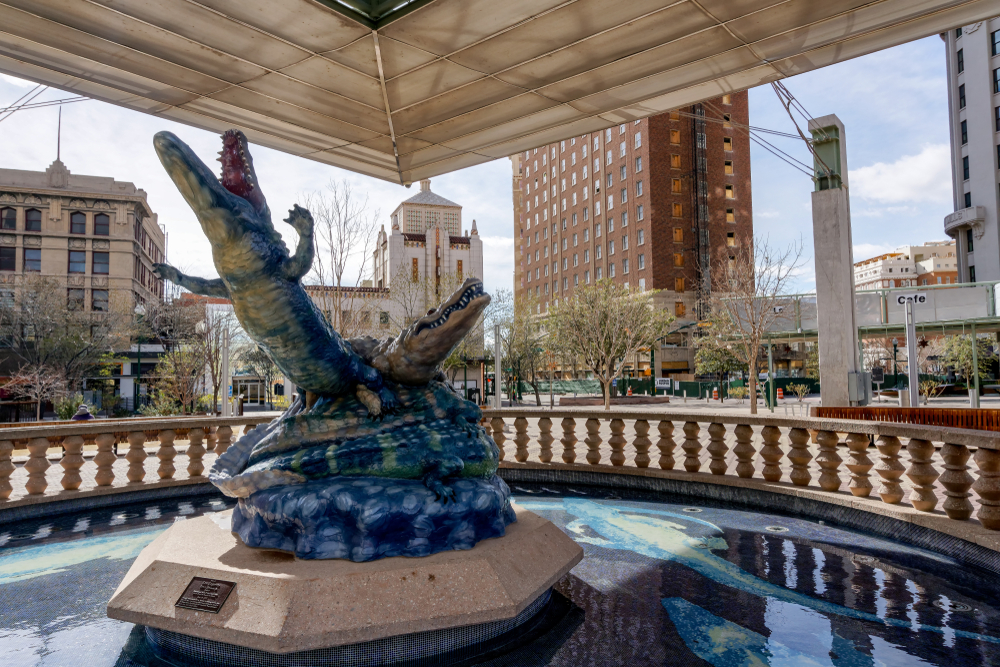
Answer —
782 453
76 470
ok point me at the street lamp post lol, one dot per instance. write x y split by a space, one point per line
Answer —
140 310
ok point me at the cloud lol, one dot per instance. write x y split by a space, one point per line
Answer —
21 83
863 251
924 177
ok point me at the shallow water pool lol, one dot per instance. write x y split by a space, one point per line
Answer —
661 583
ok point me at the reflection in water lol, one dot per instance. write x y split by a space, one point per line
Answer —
658 586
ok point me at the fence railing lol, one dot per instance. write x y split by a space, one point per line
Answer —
933 458
204 434
978 419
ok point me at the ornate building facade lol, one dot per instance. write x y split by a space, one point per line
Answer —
97 234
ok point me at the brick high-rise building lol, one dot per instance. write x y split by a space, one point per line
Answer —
651 204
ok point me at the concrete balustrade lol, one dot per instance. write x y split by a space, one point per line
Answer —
71 460
846 458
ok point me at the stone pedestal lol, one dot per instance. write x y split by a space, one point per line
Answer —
282 604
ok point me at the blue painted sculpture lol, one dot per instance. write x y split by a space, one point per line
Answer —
376 456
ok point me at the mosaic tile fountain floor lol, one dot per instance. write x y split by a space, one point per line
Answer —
662 583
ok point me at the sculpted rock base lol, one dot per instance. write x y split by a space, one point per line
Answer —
367 518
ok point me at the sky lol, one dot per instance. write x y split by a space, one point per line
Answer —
893 104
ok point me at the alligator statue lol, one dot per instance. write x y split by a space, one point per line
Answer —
258 275
377 456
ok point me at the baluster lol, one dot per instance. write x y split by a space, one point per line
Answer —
36 466
593 441
498 434
666 444
799 456
569 440
744 451
691 447
987 487
521 439
136 457
771 453
617 442
166 454
545 440
105 459
195 452
922 473
890 469
212 438
642 443
6 468
717 448
223 438
956 481
71 462
859 464
829 460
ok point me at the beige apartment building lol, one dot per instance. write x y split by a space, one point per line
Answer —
933 263
96 233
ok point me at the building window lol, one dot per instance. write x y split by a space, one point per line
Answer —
641 237
958 32
586 256
678 235
961 60
968 199
77 261
638 139
638 212
727 99
75 299
623 174
33 260
638 188
638 165
8 218
730 194
675 161
586 277
642 261
102 224
415 270
625 242
611 271
968 240
965 167
625 266
972 274
32 220
100 263
679 308
730 215
675 136
678 210
731 239
77 223
961 96
727 143
458 269
996 80
675 185
729 167
965 132
678 259
99 300
623 197
8 259
995 43
678 284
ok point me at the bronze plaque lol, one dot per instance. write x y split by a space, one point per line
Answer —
206 594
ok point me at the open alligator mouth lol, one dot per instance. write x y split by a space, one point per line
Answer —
467 296
238 175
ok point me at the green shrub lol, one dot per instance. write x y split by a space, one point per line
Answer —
67 407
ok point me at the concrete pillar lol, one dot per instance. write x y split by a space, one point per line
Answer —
834 257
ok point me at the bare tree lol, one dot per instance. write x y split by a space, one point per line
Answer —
37 383
603 325
747 301
47 327
345 236
178 374
221 333
412 295
258 362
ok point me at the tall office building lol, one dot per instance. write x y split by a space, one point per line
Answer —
650 204
973 57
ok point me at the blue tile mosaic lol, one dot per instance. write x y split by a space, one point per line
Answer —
664 581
